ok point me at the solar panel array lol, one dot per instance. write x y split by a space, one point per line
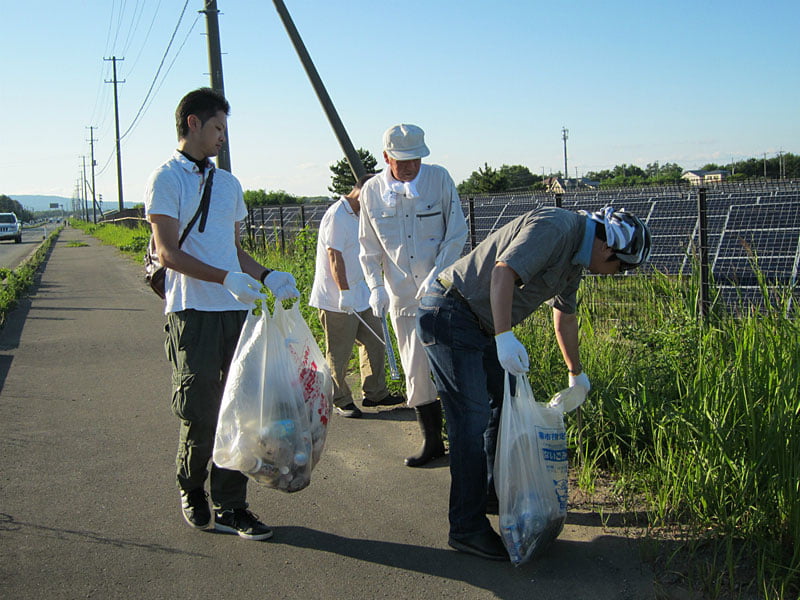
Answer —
754 223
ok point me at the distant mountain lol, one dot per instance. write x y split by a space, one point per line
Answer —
40 203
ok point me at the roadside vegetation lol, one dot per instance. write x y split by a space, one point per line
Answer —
696 421
14 283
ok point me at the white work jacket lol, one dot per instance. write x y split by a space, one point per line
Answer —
403 239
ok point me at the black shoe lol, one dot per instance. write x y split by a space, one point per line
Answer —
195 508
390 400
487 544
241 522
492 503
348 410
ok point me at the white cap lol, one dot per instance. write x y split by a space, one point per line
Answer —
405 142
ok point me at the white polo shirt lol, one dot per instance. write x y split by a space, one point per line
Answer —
175 190
338 231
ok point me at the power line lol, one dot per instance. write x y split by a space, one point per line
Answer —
135 21
146 37
161 83
158 71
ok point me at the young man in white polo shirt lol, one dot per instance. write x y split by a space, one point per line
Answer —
211 282
339 292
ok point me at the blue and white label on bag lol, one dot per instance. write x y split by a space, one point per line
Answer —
553 448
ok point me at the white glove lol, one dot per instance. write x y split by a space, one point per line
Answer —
573 396
244 288
426 283
282 285
346 301
379 301
580 381
511 353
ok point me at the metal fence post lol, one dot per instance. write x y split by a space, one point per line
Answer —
283 237
702 225
471 217
303 226
263 231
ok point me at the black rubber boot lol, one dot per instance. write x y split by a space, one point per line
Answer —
429 417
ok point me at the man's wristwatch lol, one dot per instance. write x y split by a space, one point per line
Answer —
264 274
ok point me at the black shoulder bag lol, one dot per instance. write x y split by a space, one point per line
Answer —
154 272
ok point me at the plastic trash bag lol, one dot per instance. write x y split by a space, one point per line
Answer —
263 428
313 372
530 472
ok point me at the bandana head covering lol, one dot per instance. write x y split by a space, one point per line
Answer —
626 234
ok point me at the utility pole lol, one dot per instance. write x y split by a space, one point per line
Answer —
215 68
356 166
85 207
94 164
564 136
765 165
114 60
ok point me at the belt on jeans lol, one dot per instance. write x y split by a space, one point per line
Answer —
445 283
449 289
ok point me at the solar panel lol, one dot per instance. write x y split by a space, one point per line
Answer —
747 223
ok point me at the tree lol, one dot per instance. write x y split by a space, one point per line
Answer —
254 198
8 204
343 179
520 177
484 181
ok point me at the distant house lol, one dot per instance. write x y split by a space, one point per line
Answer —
715 176
555 185
700 177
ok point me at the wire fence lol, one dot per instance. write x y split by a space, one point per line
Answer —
726 229
744 237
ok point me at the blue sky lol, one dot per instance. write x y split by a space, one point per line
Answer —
490 82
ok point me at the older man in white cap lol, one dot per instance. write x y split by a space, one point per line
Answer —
411 228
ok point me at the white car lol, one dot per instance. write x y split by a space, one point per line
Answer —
10 227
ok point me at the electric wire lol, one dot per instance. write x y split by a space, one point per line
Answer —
158 71
151 97
119 23
137 20
146 37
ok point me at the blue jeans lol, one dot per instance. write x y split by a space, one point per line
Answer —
469 380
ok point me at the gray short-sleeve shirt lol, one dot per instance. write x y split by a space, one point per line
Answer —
540 246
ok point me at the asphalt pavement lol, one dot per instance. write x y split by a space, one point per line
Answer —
89 507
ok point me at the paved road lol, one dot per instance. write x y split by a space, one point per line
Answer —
89 509
12 254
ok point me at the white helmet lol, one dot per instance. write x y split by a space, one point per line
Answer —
625 233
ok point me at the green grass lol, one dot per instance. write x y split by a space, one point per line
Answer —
15 283
131 241
698 419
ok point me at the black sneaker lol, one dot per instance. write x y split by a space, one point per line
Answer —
348 410
195 508
390 400
241 522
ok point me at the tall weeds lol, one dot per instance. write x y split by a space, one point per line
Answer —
700 418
